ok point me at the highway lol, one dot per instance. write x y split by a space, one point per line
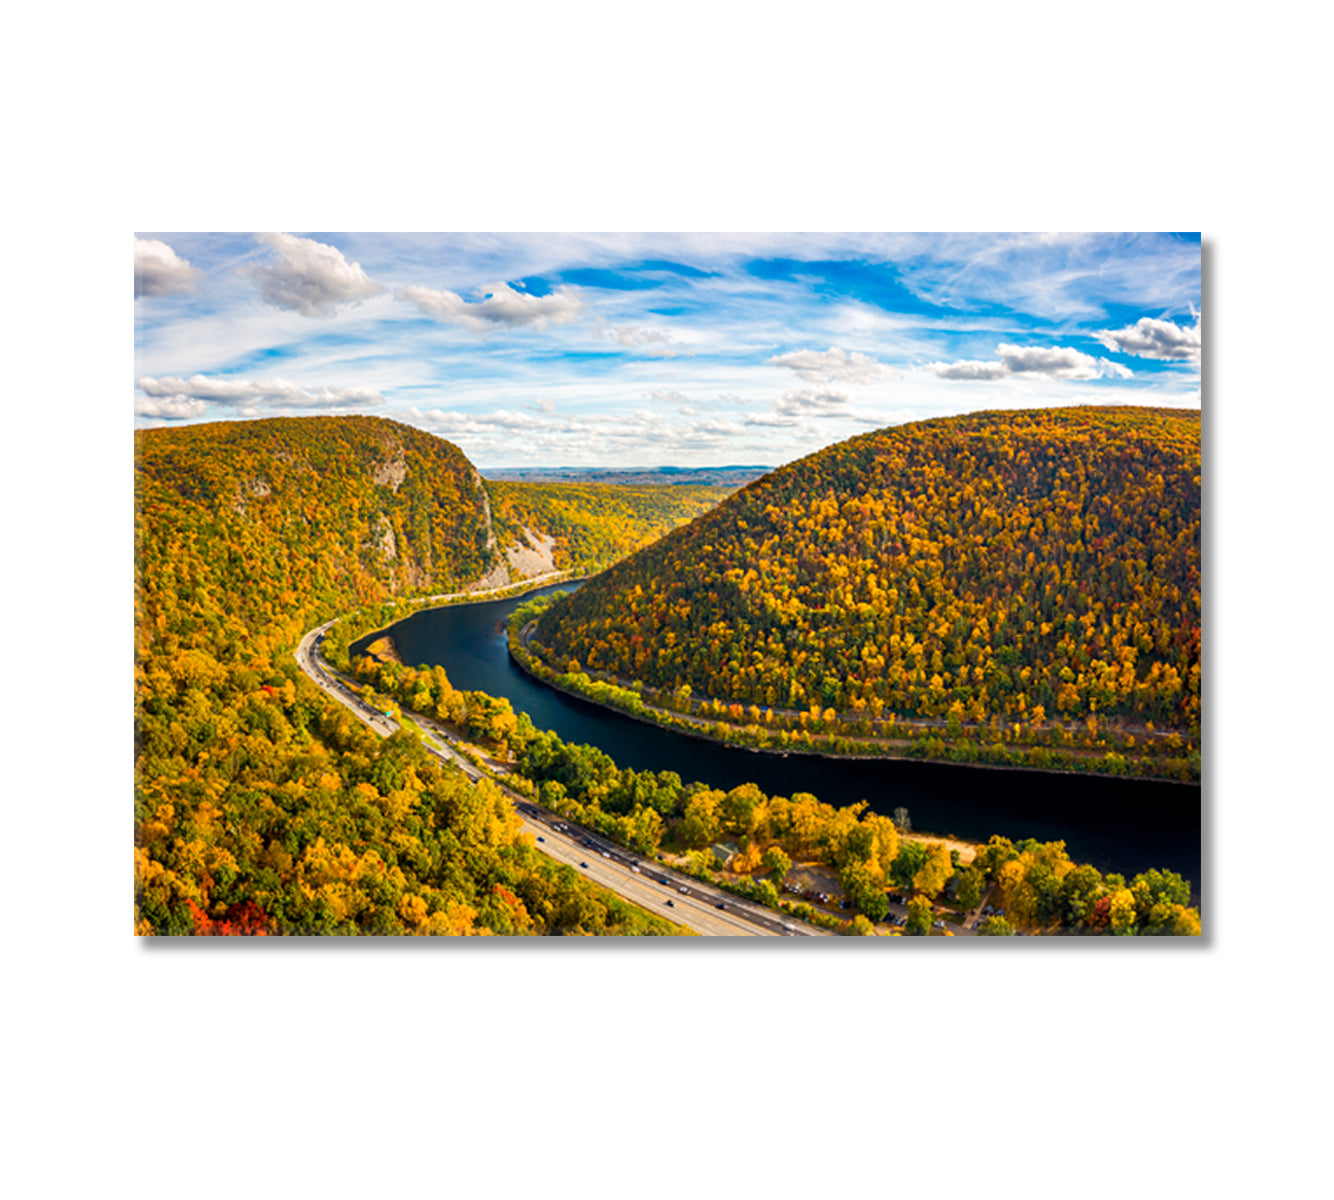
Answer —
703 909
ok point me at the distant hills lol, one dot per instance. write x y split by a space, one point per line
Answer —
1012 567
729 476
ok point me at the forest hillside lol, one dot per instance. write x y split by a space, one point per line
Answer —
261 806
588 526
991 569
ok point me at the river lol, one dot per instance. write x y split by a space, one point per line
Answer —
1125 825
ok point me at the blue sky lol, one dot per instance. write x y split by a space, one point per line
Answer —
656 349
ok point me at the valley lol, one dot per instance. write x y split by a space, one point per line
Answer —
266 803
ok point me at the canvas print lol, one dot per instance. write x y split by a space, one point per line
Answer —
720 585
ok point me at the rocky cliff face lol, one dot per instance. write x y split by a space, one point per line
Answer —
362 502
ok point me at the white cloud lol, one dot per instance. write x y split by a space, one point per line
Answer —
1049 362
249 395
170 408
500 306
640 436
1150 338
546 406
830 366
309 277
971 370
159 270
632 335
656 342
812 402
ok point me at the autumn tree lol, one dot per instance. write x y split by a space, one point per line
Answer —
935 872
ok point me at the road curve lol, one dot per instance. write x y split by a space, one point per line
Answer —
699 907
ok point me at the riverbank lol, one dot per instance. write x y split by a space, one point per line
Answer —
1118 824
925 746
383 650
375 620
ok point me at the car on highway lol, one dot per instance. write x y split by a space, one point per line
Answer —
540 838
670 902
584 865
684 891
720 904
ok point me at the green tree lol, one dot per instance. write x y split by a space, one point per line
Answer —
919 916
970 888
775 864
910 859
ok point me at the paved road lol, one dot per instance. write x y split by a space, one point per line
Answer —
701 908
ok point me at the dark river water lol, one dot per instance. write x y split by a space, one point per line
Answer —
1124 825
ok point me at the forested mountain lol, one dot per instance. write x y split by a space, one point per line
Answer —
261 806
588 526
1001 567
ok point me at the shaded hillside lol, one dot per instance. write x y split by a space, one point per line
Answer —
1011 566
261 806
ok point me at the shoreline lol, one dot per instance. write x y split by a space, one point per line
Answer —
455 599
701 735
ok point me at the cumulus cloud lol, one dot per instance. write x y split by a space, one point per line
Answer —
831 366
500 306
169 408
812 402
1151 338
971 370
159 270
247 395
309 277
1049 362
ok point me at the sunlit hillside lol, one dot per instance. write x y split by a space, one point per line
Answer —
1004 566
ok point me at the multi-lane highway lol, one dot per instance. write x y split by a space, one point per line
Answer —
699 907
